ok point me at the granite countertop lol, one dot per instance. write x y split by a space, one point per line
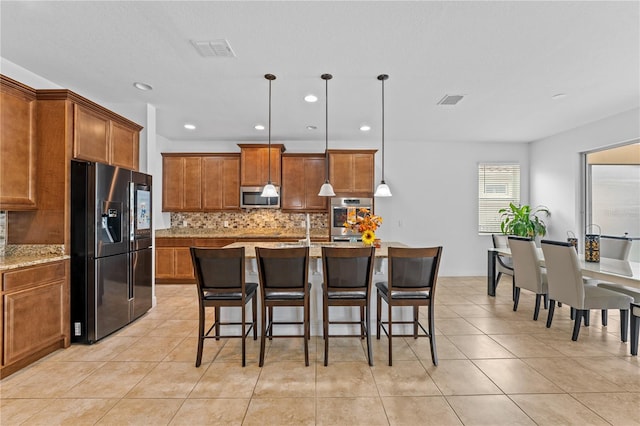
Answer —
21 260
266 233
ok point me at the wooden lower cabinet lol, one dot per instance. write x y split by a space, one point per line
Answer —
173 258
35 307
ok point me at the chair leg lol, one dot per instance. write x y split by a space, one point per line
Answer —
624 320
576 326
415 322
604 317
254 315
362 331
552 307
390 332
432 335
516 298
200 336
217 319
587 318
635 331
244 327
306 333
536 310
368 323
546 301
325 330
263 334
572 313
271 320
378 315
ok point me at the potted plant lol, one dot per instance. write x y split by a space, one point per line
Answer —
523 221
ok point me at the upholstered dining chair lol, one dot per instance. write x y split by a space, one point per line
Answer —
221 283
283 275
504 266
527 273
348 272
566 285
411 281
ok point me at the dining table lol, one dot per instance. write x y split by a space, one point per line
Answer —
611 270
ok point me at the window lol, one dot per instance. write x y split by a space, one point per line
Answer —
498 185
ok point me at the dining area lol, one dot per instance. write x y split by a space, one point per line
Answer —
601 279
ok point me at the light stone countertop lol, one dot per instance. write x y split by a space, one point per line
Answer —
266 233
315 251
19 261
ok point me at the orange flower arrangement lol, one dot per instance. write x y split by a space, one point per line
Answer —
364 222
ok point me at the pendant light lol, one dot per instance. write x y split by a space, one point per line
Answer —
326 190
269 190
383 189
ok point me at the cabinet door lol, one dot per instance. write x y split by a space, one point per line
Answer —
341 172
314 176
183 264
220 183
35 319
293 183
17 150
192 184
124 146
172 183
91 136
165 263
181 184
363 172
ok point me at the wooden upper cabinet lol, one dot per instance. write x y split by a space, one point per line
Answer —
351 172
91 135
254 164
181 183
102 136
125 145
17 146
302 177
221 182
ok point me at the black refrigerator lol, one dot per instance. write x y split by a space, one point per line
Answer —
111 249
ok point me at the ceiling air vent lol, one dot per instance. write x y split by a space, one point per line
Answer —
450 99
214 48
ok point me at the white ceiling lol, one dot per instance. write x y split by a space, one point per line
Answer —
507 58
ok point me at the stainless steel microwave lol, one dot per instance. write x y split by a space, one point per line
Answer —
250 198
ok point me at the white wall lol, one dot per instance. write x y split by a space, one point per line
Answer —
556 177
25 76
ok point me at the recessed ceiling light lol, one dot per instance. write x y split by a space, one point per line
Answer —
559 96
311 98
365 128
258 127
142 86
189 126
311 127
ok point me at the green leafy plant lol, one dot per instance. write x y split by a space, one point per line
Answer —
523 221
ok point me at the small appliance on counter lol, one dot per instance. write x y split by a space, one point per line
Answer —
338 214
111 249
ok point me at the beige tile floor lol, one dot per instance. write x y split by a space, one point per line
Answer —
496 367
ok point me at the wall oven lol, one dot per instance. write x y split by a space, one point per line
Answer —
338 213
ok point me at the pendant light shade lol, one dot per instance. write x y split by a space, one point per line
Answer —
269 189
383 189
326 190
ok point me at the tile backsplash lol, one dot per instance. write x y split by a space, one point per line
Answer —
252 219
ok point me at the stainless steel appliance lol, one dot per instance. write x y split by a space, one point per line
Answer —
111 253
338 214
250 198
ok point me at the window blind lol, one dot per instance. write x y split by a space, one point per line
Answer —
498 185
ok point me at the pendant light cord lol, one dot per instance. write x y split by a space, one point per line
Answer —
383 131
269 152
326 129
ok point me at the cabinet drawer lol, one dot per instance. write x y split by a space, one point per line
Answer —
32 276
